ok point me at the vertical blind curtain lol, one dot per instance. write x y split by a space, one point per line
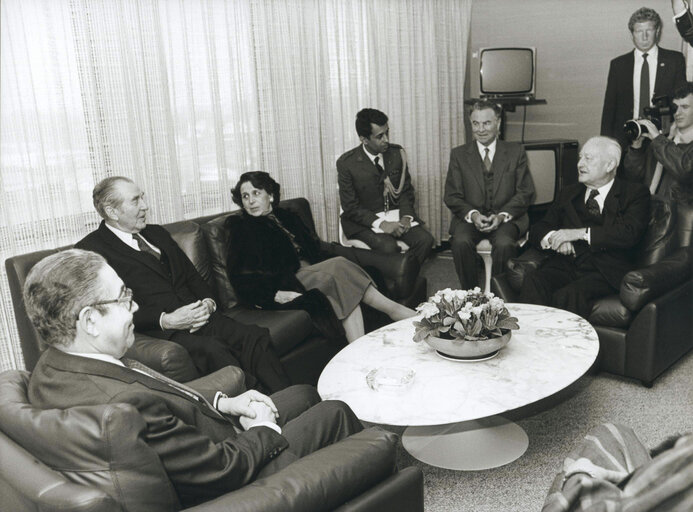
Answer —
183 96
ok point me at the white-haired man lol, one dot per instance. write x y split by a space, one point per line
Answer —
590 230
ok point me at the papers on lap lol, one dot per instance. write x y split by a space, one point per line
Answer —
390 216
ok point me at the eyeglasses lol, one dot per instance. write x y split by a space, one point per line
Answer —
125 299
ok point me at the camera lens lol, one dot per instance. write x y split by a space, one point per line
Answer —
632 129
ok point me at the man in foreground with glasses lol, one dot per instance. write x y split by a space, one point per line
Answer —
175 301
207 442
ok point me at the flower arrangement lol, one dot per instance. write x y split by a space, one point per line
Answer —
463 315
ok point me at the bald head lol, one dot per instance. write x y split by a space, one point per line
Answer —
599 159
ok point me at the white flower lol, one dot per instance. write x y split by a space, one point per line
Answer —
427 309
464 315
476 310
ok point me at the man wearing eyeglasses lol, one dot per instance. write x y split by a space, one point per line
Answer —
208 443
175 302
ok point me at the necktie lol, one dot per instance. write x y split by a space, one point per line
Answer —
182 388
487 160
644 85
378 166
144 246
592 205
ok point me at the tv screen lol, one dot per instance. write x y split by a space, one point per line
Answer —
506 71
542 167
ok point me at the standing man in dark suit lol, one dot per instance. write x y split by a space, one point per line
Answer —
373 179
638 76
488 189
208 443
591 230
175 301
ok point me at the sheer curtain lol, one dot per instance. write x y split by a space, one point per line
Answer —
183 96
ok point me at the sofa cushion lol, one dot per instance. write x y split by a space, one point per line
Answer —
217 245
190 239
100 446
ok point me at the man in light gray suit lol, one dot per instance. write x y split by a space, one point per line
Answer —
488 189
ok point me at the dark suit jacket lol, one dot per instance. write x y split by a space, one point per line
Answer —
201 451
513 188
626 214
684 25
677 172
156 289
361 188
618 99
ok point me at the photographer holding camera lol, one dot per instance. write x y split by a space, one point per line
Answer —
664 164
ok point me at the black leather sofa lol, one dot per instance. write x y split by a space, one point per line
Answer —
303 352
93 458
648 325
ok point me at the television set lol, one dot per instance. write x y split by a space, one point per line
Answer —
553 165
507 72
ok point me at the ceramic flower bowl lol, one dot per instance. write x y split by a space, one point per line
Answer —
468 350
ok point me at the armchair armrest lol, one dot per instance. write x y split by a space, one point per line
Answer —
34 482
524 263
323 480
164 356
399 271
229 380
639 287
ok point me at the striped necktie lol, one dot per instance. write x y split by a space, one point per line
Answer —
145 247
182 388
487 160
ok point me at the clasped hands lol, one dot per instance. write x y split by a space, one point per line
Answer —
190 317
396 229
486 223
562 240
251 407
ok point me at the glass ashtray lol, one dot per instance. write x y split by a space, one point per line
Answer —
390 378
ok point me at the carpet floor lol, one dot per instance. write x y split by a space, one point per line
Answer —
655 414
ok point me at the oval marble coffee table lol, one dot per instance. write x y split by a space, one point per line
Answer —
452 408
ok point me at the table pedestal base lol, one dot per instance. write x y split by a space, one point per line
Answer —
468 446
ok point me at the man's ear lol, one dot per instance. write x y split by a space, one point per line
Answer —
111 213
86 323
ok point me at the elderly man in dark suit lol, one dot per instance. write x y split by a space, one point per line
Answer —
176 303
590 231
637 76
208 443
488 189
373 179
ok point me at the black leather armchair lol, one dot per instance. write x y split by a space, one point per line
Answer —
303 352
648 325
93 458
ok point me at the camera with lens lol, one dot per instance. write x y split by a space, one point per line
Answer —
659 114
